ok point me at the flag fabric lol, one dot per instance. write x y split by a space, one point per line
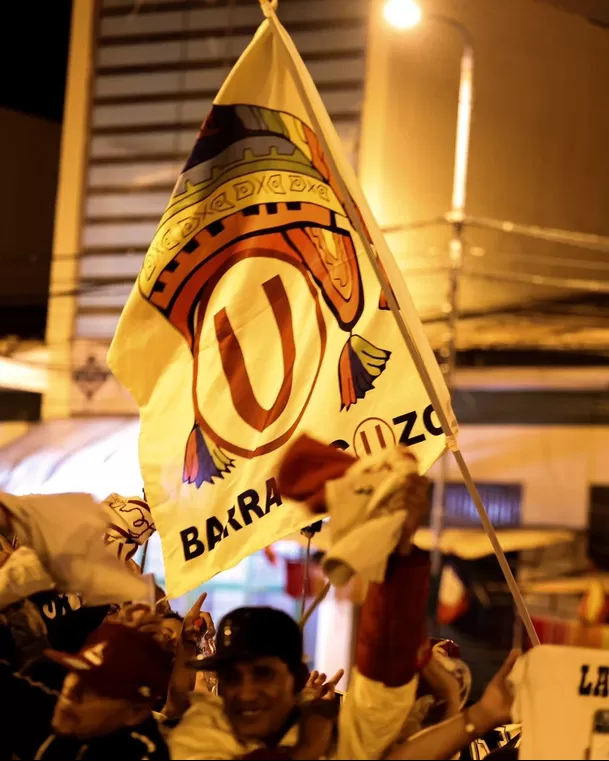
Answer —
130 525
66 533
258 316
453 597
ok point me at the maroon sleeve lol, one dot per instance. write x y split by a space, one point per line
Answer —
392 628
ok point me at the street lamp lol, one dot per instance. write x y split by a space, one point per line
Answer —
402 14
406 14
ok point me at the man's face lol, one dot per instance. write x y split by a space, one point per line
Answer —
259 696
83 713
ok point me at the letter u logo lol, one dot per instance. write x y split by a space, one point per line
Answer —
233 362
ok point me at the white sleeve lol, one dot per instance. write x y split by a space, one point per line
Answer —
372 716
204 733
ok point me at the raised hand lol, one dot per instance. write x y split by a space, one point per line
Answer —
317 687
198 622
329 688
495 705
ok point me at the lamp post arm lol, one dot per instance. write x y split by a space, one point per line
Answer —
456 217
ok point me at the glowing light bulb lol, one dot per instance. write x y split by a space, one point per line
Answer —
402 14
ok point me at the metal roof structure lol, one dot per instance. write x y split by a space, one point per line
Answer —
596 11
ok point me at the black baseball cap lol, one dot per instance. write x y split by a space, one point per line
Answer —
249 633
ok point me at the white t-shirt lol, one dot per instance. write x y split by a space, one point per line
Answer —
558 691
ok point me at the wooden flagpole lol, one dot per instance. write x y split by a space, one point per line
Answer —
392 291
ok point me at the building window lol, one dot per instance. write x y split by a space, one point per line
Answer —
502 502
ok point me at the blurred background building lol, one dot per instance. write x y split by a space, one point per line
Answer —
31 108
532 384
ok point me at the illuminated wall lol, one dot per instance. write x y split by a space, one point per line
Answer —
539 149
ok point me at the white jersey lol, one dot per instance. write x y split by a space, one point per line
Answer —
558 690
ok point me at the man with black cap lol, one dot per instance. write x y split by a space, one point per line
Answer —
260 712
261 676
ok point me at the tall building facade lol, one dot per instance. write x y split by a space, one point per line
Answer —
143 76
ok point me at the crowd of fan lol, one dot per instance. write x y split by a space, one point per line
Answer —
137 681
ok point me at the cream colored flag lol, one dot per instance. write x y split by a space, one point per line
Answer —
257 316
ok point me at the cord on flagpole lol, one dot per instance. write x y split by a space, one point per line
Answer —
305 578
308 532
319 598
409 339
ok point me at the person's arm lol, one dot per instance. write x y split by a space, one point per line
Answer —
444 687
443 740
391 636
446 739
392 630
392 626
182 682
182 678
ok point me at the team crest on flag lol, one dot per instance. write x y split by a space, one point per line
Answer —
257 316
257 196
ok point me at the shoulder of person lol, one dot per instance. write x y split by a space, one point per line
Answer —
206 710
205 732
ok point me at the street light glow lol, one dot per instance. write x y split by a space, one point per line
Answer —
402 14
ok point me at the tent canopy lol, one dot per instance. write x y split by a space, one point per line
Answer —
97 456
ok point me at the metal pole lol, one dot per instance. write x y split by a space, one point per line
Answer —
305 578
308 94
451 309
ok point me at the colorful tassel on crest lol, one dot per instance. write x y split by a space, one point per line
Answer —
204 461
360 364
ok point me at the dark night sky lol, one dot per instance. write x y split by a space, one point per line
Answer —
33 56
33 62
